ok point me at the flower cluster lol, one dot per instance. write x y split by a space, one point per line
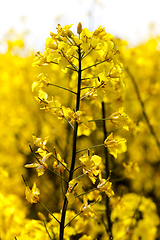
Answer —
95 97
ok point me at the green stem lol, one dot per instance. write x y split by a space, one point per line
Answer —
77 168
65 202
108 210
57 174
24 181
88 78
34 154
55 85
84 149
46 229
72 219
58 161
82 175
143 108
69 123
87 53
66 67
101 119
49 212
85 88
86 192
94 65
75 68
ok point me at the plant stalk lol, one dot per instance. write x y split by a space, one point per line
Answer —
108 211
65 202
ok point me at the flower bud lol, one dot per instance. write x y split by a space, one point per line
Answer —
79 28
70 33
41 216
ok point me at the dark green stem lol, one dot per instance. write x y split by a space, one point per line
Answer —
65 202
108 211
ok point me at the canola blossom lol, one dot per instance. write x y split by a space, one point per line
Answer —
95 180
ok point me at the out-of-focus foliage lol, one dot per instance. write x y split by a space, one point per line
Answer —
134 215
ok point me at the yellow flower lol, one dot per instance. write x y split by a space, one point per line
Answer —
38 142
55 106
131 170
105 185
57 165
74 187
87 209
113 144
65 31
120 118
40 165
39 60
32 195
91 166
71 115
42 81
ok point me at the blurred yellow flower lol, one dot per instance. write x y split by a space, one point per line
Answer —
42 81
131 170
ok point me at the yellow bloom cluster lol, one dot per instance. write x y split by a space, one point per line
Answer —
107 192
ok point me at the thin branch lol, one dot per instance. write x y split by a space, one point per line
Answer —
76 69
93 189
94 65
51 84
72 219
66 66
49 212
88 53
77 168
82 175
143 107
69 123
24 181
84 149
88 78
85 88
101 119
47 230
57 174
